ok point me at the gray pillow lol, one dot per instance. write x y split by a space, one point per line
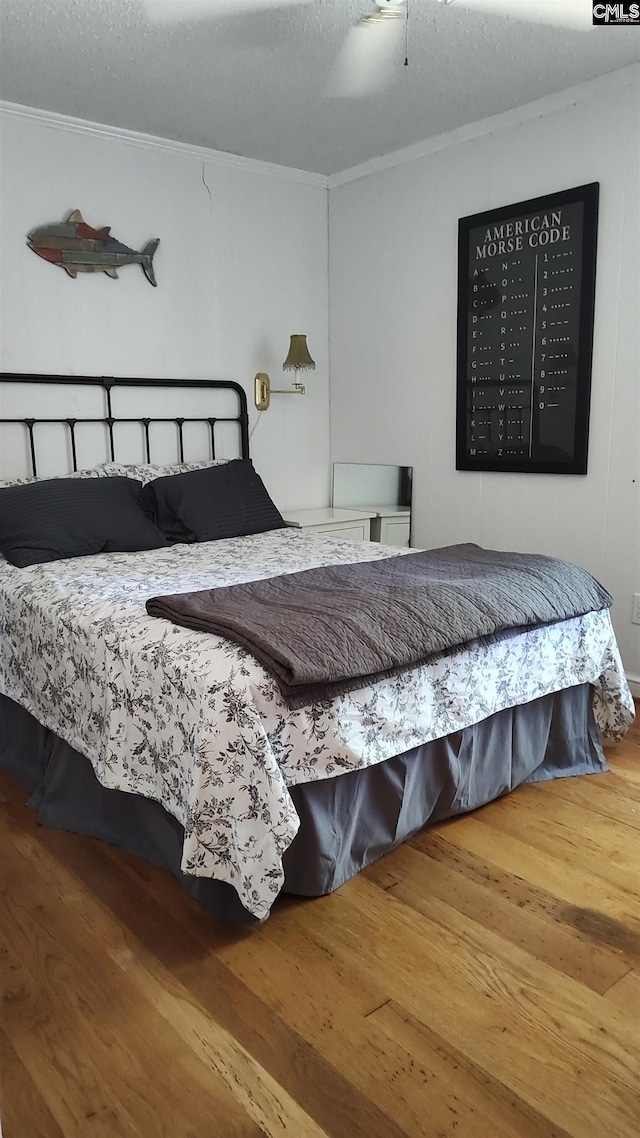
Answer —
229 500
56 518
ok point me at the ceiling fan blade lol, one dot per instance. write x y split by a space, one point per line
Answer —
370 60
575 14
183 11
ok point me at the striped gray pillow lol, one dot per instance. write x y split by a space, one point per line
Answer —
57 518
204 505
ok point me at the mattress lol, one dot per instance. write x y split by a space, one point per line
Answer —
193 722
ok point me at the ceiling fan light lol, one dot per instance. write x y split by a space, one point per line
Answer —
387 10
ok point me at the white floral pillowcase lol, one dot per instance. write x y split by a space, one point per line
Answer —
148 472
143 472
94 472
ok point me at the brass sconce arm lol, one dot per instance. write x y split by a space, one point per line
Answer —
262 390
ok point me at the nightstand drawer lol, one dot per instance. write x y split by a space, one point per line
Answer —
391 530
354 531
353 525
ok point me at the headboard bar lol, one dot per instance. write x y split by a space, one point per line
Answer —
107 384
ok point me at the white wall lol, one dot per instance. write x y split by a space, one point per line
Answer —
393 267
242 264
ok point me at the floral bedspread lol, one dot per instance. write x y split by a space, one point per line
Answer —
194 722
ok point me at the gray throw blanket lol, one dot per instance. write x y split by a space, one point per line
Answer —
328 630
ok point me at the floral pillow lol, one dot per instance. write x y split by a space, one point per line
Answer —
142 472
148 472
94 472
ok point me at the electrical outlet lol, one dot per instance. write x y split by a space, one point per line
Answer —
635 612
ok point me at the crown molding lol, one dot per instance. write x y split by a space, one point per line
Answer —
582 92
592 89
150 142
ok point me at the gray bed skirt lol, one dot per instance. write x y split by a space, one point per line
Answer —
345 822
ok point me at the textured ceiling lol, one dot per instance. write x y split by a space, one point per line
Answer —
254 84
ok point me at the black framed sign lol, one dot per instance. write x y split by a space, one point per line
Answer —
526 290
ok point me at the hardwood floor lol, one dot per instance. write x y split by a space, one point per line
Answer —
482 981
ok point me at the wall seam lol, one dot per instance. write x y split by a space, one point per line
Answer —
329 353
615 392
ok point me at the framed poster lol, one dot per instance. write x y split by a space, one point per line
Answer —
526 290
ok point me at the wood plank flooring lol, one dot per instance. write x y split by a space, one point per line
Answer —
482 981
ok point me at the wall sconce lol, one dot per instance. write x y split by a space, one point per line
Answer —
298 359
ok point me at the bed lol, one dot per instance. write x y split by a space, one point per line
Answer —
178 746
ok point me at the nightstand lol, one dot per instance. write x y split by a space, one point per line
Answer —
391 525
351 524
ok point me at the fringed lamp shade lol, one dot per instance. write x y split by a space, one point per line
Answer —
298 358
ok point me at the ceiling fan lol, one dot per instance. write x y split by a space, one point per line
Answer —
372 51
576 14
179 11
368 60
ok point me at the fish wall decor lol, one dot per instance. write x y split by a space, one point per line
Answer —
78 248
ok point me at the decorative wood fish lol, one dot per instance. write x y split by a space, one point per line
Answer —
78 248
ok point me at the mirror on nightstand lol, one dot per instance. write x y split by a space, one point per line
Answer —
381 488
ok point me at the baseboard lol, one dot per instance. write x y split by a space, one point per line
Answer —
634 684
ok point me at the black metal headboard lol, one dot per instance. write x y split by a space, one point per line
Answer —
108 419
